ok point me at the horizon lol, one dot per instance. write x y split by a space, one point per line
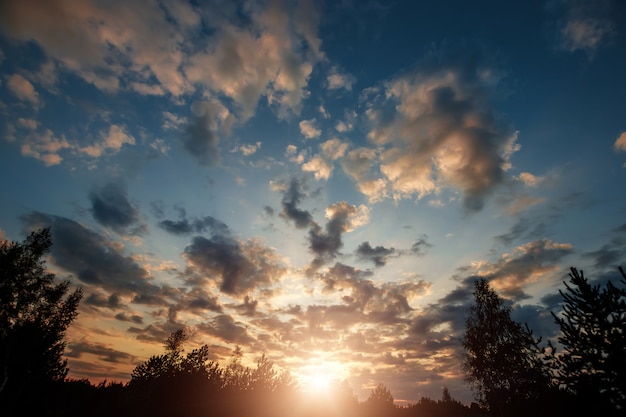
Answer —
320 182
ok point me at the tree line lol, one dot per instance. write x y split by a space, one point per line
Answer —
511 372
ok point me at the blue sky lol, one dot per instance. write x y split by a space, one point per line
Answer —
317 181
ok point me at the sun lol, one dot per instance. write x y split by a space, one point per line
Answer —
317 378
317 383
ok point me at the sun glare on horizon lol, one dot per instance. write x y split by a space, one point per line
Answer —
319 378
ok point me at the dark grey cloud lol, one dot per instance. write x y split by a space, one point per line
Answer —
240 267
156 332
201 137
104 353
420 246
111 208
326 242
134 318
187 226
290 202
523 229
612 254
92 258
378 255
100 300
382 303
226 328
248 307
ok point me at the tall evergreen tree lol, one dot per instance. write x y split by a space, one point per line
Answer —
593 336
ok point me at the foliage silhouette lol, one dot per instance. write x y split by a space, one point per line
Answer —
593 336
511 374
36 312
503 361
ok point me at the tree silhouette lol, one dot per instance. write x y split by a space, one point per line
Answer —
36 312
593 336
503 361
380 401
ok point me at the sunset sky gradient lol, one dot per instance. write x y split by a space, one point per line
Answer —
321 182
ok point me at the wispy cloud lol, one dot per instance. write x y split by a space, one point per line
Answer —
585 26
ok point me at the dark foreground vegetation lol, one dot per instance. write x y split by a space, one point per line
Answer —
511 372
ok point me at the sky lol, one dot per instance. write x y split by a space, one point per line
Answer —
320 182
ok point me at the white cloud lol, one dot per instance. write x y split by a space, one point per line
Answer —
291 150
322 165
337 80
142 47
357 216
334 149
319 166
360 165
113 140
323 112
529 179
262 60
249 148
23 89
45 147
620 142
309 129
439 130
173 121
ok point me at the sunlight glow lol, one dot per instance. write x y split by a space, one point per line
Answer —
318 377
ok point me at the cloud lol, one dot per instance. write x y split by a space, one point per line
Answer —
420 246
440 130
23 89
360 164
612 254
45 147
337 80
378 255
239 266
187 226
585 34
342 218
226 328
272 57
102 45
201 139
112 141
249 148
143 47
524 265
585 26
620 143
322 165
111 208
292 198
94 260
384 303
76 349
309 129
50 148
529 180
